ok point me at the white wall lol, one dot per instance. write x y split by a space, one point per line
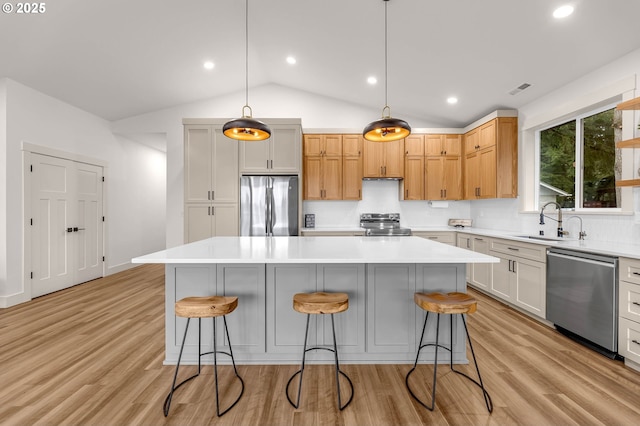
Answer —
132 226
3 185
270 101
580 94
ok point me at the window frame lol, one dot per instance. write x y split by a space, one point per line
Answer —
579 160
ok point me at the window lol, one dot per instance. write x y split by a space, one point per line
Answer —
577 160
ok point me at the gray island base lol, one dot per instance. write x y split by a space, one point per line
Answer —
380 275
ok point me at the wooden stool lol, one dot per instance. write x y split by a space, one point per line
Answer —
450 303
205 307
320 303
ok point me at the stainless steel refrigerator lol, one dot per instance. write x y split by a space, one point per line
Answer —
269 205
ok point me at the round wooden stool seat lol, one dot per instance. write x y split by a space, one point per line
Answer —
321 303
206 306
449 303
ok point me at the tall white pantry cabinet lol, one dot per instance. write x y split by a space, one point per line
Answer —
210 183
213 164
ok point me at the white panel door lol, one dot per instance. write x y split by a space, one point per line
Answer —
88 244
66 237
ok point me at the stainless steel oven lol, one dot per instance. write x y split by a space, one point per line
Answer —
582 297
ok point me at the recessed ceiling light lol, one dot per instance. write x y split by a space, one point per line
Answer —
452 100
291 60
209 65
563 11
372 80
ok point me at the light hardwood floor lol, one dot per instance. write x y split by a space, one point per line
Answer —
92 355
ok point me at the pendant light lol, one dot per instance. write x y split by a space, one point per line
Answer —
246 128
387 128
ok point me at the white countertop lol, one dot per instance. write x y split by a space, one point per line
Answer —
315 250
591 246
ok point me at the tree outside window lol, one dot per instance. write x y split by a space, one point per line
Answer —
577 160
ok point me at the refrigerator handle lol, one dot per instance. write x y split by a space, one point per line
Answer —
269 206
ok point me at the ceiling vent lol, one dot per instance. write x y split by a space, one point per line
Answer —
519 88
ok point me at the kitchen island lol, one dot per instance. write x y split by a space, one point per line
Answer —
380 274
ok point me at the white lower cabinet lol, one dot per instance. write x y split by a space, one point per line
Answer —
520 277
246 329
210 220
480 274
246 323
389 288
629 312
441 237
286 336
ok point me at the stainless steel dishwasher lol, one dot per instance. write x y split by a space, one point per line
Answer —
582 297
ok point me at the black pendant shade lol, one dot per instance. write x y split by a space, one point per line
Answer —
246 128
386 129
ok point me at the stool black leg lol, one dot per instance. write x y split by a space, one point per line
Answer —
215 367
301 371
338 371
167 401
487 398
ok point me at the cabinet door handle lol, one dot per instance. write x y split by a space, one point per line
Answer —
445 194
513 248
635 303
514 267
636 273
636 342
406 192
509 265
479 239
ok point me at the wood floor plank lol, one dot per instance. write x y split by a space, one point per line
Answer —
93 354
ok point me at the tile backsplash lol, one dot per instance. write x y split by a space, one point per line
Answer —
381 196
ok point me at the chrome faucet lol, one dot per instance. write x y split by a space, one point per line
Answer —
582 233
561 233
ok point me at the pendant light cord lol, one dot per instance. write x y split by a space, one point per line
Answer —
246 52
386 102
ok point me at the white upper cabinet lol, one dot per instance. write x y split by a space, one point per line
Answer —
280 154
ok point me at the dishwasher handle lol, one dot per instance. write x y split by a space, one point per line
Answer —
609 264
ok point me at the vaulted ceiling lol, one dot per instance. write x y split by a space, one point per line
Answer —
120 58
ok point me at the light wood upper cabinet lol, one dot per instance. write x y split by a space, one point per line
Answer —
449 144
352 167
384 159
491 161
414 145
443 176
414 178
322 172
413 183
